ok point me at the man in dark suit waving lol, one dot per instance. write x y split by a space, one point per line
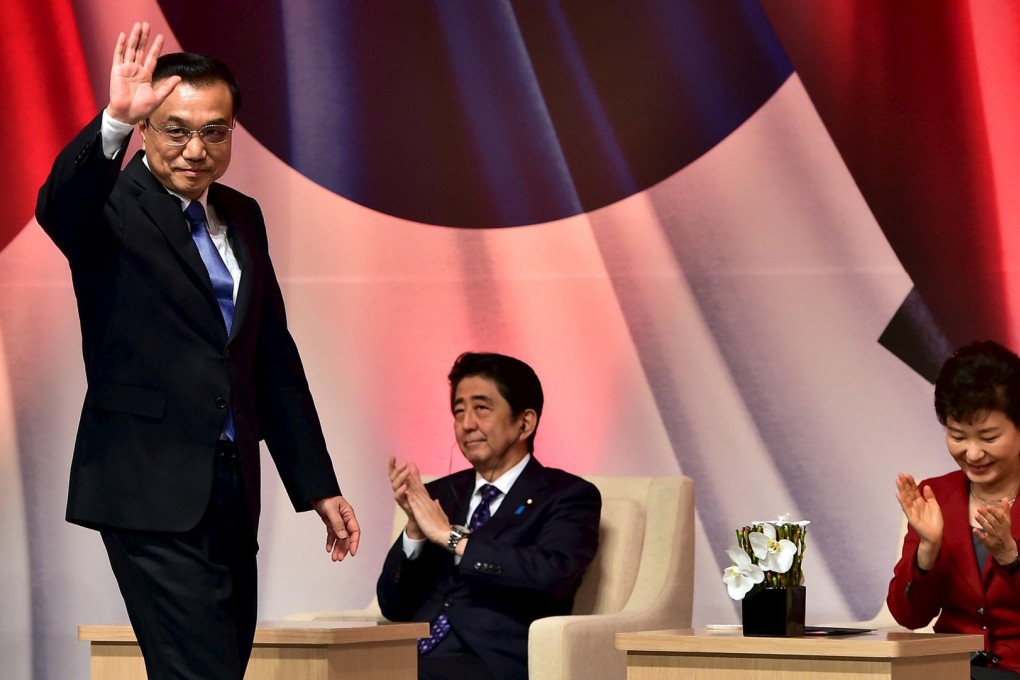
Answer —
488 550
188 360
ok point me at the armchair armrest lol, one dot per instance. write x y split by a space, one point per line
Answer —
583 646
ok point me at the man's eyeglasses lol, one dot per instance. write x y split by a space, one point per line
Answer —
179 136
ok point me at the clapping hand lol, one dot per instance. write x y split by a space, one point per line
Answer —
925 517
995 531
425 517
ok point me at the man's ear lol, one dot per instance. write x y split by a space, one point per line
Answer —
528 421
141 130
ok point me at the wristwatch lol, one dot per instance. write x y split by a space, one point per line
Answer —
457 532
1013 566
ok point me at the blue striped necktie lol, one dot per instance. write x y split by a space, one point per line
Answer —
219 275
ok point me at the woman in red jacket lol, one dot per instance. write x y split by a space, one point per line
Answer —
960 559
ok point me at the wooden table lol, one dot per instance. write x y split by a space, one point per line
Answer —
286 650
724 655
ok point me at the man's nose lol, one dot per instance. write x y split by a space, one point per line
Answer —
194 148
468 421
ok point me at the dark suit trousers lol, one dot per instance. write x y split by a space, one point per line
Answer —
192 596
452 659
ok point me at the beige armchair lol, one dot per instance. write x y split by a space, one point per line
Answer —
641 579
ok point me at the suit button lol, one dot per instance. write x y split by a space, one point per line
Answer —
448 603
226 353
221 403
981 611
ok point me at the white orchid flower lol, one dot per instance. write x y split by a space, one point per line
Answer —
742 575
772 555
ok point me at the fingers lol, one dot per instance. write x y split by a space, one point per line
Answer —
398 482
343 533
398 472
134 44
131 47
994 530
118 50
165 87
354 531
905 483
907 494
339 548
414 478
430 517
994 518
415 500
351 525
153 54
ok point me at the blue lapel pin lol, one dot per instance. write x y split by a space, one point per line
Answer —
520 509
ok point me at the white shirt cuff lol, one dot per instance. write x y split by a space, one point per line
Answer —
113 133
412 547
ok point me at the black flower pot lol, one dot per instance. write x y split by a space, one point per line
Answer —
774 612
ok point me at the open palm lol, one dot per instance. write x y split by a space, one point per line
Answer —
132 94
921 509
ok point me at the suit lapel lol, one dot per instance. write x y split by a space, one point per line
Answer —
166 214
524 497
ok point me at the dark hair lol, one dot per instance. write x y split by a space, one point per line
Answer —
981 376
515 380
198 69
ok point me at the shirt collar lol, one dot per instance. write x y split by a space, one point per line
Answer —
185 202
506 480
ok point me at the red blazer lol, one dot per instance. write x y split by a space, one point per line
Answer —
966 600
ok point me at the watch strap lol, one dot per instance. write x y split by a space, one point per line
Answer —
457 532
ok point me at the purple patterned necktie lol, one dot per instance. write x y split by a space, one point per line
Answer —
219 275
440 627
481 514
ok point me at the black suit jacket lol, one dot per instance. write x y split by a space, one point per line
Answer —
160 368
523 564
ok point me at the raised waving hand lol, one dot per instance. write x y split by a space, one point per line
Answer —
132 95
